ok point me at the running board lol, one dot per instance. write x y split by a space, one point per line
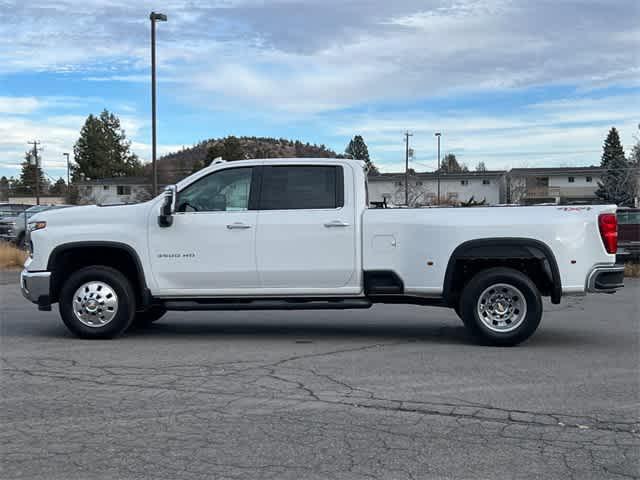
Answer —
268 304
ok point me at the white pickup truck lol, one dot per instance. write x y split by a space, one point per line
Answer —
298 234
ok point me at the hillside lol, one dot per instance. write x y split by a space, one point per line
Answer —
177 165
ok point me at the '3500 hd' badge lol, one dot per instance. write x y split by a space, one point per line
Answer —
176 255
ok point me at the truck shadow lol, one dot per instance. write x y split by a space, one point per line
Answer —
302 332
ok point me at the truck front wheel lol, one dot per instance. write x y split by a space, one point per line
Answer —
501 306
97 302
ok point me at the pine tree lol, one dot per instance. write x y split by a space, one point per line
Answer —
4 188
616 185
103 150
59 187
26 183
612 148
358 150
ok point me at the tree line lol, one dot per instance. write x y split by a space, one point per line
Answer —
103 151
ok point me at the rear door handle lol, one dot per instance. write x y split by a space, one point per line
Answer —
336 223
238 226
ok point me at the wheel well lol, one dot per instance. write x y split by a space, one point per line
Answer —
530 257
66 260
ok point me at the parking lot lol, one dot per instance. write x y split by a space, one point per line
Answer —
394 392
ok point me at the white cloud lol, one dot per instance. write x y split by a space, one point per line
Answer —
18 105
554 133
310 56
57 134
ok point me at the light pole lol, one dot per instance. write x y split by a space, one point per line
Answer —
154 17
406 168
438 134
35 144
68 168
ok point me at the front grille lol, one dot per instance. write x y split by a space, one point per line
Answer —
4 229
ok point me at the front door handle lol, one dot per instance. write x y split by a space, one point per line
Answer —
238 226
336 223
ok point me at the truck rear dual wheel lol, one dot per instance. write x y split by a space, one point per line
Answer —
97 302
501 306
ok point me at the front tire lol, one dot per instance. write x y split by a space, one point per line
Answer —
97 302
501 307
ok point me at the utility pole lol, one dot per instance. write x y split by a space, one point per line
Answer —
406 168
68 176
35 144
438 134
154 17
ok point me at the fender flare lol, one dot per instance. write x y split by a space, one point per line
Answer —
141 283
504 248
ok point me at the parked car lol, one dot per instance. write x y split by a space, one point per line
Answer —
12 209
297 234
13 228
628 233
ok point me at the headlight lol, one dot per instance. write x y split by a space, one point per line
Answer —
33 226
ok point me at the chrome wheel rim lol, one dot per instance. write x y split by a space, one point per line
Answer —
95 304
501 307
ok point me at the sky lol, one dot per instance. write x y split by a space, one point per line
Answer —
511 83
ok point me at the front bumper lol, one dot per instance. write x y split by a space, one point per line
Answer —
606 278
35 287
8 237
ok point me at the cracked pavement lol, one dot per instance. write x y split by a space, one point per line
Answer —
394 392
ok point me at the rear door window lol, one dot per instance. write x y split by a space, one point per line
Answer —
298 187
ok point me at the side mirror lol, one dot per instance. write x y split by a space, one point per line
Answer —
165 219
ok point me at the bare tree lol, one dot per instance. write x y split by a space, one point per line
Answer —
418 194
517 188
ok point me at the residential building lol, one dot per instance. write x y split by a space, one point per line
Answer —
554 185
455 188
114 190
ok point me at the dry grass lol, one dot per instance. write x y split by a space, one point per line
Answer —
10 256
632 270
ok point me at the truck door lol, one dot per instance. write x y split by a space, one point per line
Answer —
210 248
306 228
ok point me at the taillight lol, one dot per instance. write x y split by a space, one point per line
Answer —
608 224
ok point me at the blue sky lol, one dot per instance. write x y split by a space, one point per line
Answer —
511 83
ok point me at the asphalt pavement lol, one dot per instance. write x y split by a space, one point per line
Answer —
394 392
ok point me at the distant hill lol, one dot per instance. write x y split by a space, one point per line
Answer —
177 165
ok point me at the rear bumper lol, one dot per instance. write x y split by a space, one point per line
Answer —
605 278
35 287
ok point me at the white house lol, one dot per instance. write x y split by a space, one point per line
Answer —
454 188
114 190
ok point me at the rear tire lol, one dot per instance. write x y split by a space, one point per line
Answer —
97 302
501 307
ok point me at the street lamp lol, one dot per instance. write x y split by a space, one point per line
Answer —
438 134
68 168
406 168
154 17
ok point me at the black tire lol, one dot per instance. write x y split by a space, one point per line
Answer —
524 326
20 241
126 306
149 316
